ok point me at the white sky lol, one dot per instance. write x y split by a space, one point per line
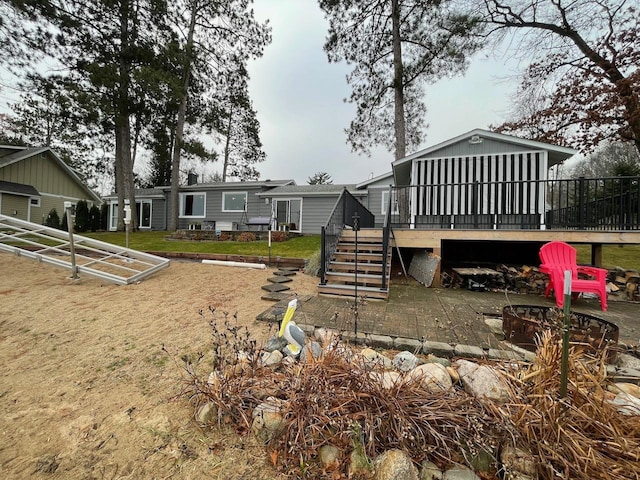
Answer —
299 96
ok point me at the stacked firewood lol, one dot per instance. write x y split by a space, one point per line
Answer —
626 282
523 279
530 280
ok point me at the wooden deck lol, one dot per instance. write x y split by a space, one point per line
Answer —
433 239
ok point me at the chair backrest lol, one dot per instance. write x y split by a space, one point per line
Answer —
560 255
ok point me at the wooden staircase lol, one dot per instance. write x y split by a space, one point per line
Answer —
341 273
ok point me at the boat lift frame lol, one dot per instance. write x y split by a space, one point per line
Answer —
76 253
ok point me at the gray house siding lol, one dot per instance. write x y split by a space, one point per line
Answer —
315 211
255 207
374 203
465 148
158 214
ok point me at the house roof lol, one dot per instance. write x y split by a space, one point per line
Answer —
377 179
234 185
556 154
23 153
18 189
310 190
158 192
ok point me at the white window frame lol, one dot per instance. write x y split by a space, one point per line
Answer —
288 209
394 209
34 201
224 201
150 202
113 217
182 204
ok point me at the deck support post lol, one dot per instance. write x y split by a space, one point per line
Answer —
596 254
436 276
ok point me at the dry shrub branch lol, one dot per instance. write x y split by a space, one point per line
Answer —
580 437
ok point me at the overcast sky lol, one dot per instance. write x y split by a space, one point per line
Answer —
299 96
299 99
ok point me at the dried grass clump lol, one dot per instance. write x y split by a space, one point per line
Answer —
339 400
581 436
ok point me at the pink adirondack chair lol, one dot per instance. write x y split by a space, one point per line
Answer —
557 257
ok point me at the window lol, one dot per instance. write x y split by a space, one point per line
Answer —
34 201
234 201
143 212
288 213
385 202
113 217
192 204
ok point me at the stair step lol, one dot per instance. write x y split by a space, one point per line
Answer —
350 267
363 232
363 278
362 247
349 291
362 257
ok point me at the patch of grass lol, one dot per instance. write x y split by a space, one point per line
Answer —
625 256
296 247
121 362
157 359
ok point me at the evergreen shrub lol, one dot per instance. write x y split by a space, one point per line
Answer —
53 220
82 216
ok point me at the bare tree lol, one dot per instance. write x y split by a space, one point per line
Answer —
586 68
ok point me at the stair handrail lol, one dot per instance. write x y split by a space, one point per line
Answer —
385 239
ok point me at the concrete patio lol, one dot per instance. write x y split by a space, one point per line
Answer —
449 316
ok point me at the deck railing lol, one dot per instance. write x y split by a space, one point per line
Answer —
611 203
344 211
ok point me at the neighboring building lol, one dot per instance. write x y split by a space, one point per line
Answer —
209 206
35 180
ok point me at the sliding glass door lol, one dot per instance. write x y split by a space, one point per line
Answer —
288 214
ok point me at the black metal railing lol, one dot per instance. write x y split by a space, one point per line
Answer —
611 203
342 215
386 230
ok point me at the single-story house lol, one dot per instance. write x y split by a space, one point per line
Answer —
35 180
278 204
207 206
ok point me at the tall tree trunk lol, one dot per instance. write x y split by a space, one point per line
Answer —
398 82
123 123
227 143
182 111
119 169
398 91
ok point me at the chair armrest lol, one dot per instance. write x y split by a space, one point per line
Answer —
599 273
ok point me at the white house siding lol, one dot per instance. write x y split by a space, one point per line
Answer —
445 185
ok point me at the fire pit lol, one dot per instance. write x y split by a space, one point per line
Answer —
522 323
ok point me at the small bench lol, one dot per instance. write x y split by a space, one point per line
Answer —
259 222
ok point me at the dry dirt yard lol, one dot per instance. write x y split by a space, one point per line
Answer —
86 390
